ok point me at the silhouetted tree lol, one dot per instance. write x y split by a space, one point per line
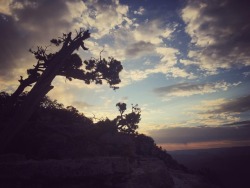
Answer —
65 63
59 132
128 123
95 70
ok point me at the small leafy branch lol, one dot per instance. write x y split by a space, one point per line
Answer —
128 123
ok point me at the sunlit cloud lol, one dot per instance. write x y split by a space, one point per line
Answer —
62 94
152 31
140 11
81 105
99 13
131 76
5 7
168 56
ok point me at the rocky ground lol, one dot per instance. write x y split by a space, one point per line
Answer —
188 180
117 172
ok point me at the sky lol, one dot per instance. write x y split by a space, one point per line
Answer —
186 63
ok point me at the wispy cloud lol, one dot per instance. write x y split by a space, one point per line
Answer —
241 104
219 111
189 89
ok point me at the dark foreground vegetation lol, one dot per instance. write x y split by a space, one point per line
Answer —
60 147
58 132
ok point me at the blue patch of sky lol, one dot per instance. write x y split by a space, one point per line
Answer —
179 40
161 80
142 63
230 75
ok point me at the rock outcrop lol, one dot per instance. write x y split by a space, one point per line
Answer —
188 180
107 172
149 173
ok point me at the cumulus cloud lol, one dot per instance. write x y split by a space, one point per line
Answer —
129 76
134 40
141 37
220 34
144 40
103 16
167 64
168 56
188 89
152 31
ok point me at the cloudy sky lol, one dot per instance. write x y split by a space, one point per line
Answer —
186 63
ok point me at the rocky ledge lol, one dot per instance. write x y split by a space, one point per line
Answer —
89 172
103 172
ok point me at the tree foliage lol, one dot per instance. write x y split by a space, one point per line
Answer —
59 132
128 123
94 70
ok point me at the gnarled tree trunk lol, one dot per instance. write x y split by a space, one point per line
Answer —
39 90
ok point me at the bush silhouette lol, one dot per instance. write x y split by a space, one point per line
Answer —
58 132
